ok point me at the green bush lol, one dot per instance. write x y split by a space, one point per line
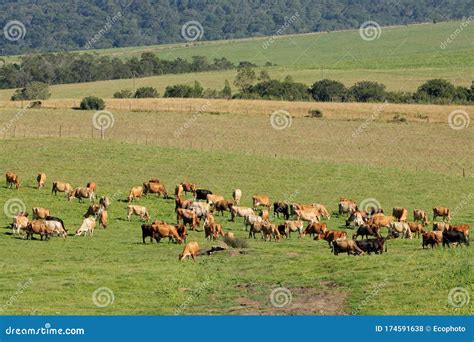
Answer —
436 89
179 90
32 91
145 92
92 102
123 94
328 90
315 113
367 91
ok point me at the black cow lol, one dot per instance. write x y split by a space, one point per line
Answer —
147 230
281 208
372 245
451 236
282 230
201 194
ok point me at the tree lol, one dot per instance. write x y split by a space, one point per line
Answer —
32 91
436 89
245 78
123 94
367 91
92 102
328 90
264 76
145 92
179 90
226 92
197 89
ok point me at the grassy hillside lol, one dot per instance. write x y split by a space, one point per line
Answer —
148 279
402 58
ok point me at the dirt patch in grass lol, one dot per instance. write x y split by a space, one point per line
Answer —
326 299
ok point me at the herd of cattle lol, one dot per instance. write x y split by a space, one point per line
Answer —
303 219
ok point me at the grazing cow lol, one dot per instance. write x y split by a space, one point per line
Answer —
282 230
356 219
270 230
81 193
201 209
92 186
463 228
420 215
255 228
416 228
348 246
367 230
315 228
201 194
251 219
178 190
294 226
155 188
440 226
443 212
139 211
55 226
331 235
431 238
281 208
103 218
212 199
41 180
104 202
261 200
135 193
37 227
453 236
93 210
182 203
401 229
401 214
236 196
191 250
12 180
20 223
224 205
182 231
59 186
188 216
147 231
162 230
189 187
372 245
212 230
381 220
240 212
40 213
346 206
311 215
321 210
87 227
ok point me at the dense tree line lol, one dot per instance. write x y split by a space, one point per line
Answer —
61 25
62 68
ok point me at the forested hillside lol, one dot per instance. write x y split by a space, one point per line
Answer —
55 25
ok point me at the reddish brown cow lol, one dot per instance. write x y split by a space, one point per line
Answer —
315 228
41 180
443 212
331 235
189 217
12 180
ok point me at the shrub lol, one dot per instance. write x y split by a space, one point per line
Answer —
179 90
367 91
236 242
32 91
399 118
145 92
315 113
92 102
123 94
328 90
436 89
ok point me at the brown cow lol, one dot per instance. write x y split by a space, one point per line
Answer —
321 210
182 231
444 212
188 216
261 200
269 230
308 214
213 230
381 220
139 211
416 228
41 180
12 179
463 228
162 230
367 230
182 203
92 186
178 190
420 215
331 235
103 218
315 228
191 250
401 214
59 186
431 238
240 211
224 205
155 188
212 199
440 226
81 193
344 245
37 227
294 226
40 213
136 192
346 206
189 187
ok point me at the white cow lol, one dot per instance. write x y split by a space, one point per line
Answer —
87 227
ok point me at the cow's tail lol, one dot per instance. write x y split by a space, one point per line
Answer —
53 188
